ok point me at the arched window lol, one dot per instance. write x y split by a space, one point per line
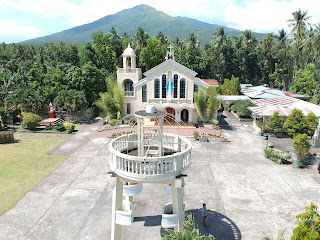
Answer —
156 88
128 85
182 88
164 86
175 86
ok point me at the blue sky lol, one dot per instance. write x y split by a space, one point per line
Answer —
25 19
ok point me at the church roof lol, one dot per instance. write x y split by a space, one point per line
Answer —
211 82
170 62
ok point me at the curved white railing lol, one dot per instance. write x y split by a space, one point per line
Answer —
150 168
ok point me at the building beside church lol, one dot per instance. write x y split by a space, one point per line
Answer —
169 86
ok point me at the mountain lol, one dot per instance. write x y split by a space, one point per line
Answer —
129 20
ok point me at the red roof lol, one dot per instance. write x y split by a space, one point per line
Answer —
211 81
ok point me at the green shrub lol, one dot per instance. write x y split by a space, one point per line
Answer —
310 123
195 134
31 121
113 122
241 108
6 137
60 127
294 123
189 231
276 155
275 124
301 144
309 224
69 127
4 116
48 127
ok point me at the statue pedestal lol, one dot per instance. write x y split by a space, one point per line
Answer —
52 114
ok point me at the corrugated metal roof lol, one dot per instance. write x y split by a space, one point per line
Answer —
232 98
266 92
284 106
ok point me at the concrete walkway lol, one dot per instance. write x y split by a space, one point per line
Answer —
247 195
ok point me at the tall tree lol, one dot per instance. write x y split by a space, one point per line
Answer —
299 26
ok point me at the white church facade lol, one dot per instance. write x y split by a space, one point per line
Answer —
169 86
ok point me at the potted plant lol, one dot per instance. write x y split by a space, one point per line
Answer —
196 135
203 138
301 144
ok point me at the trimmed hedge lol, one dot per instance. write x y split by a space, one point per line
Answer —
69 127
276 155
6 137
60 127
31 121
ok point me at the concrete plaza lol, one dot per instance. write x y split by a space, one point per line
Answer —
247 194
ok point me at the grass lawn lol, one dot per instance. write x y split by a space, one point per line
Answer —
24 164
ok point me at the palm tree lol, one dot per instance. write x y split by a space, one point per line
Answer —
163 38
220 38
282 36
141 39
193 41
299 25
248 38
307 46
316 44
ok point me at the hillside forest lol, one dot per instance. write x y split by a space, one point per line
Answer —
33 76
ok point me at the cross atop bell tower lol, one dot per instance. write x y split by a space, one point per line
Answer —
170 53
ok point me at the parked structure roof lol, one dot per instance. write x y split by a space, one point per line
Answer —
232 98
260 92
211 82
283 105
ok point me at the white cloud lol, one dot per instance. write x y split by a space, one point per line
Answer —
268 15
258 15
14 29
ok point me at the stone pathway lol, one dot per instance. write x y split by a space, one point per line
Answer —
247 195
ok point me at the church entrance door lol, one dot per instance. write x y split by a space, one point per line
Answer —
185 115
170 118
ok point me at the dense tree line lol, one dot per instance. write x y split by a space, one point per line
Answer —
74 76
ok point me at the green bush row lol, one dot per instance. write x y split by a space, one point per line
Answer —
275 155
6 137
61 127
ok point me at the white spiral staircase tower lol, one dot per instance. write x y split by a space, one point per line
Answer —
147 157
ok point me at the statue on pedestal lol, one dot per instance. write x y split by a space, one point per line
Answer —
51 111
315 142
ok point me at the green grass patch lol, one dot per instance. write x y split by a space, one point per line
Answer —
23 165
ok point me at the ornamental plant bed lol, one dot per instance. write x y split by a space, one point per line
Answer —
6 137
276 155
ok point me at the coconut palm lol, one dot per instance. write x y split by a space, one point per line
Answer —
299 26
220 38
316 44
282 36
193 41
141 39
163 38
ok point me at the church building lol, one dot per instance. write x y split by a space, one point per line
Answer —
169 86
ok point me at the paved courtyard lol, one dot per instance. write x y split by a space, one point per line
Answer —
247 194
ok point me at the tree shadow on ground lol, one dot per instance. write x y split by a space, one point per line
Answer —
217 224
223 123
